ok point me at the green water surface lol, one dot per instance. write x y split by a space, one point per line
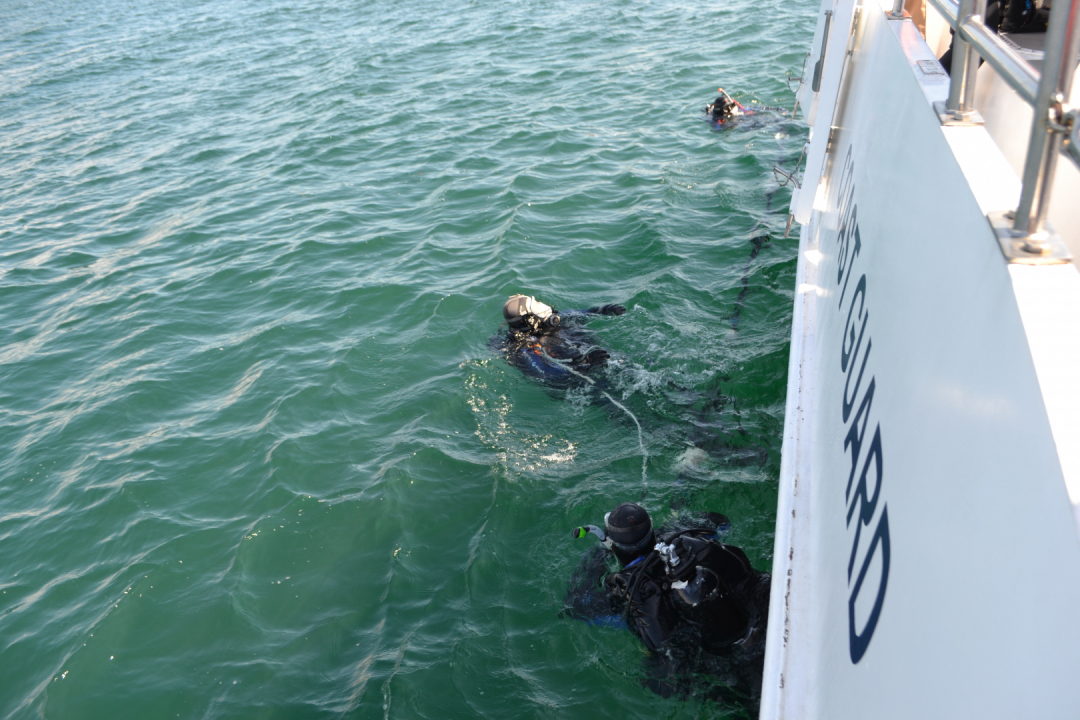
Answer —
257 458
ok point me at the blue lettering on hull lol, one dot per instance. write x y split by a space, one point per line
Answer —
867 459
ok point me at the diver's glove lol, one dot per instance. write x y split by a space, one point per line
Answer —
593 358
607 310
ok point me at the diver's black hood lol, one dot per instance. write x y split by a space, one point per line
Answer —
630 530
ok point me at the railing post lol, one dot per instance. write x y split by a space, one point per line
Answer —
897 12
965 64
967 103
1047 131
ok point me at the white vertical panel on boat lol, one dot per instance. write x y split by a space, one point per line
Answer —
832 68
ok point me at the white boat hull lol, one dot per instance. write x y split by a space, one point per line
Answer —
927 559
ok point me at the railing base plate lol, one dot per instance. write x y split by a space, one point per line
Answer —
969 119
1013 244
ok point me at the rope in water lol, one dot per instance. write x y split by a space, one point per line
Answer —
616 403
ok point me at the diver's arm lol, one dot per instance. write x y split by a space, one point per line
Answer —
644 615
533 359
587 597
612 309
595 358
598 310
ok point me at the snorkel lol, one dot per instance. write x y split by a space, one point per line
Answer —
730 99
580 532
629 536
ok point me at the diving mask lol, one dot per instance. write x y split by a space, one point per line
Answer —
524 312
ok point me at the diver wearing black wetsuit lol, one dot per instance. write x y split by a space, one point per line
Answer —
723 108
697 604
542 345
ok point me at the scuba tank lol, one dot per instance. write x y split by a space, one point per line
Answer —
703 577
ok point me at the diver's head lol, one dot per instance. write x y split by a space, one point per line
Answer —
524 313
722 108
629 532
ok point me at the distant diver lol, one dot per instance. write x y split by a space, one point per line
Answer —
544 344
723 108
697 604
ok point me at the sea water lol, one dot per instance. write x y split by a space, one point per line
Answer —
258 460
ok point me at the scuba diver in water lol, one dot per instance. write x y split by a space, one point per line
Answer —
697 604
723 108
550 346
543 342
726 108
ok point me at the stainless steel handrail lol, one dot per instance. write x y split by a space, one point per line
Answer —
1012 68
1046 92
1015 70
965 63
1047 131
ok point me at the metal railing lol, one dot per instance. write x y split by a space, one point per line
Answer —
1056 126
